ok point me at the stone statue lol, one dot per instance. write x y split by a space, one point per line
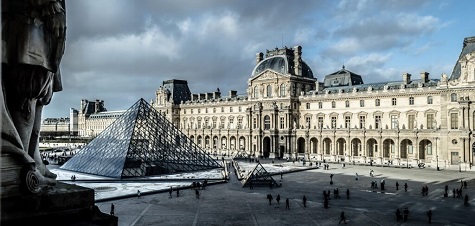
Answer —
33 40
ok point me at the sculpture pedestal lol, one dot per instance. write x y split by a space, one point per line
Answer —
63 204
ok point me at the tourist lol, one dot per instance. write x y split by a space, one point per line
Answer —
406 214
405 186
342 217
304 201
347 193
465 202
170 192
138 193
429 215
278 199
197 193
398 215
112 209
287 204
397 185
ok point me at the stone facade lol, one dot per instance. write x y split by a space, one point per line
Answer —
287 113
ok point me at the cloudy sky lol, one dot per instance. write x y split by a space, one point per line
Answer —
121 50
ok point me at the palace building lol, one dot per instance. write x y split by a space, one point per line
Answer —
288 113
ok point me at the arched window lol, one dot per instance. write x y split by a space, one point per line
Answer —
266 122
269 91
282 90
256 92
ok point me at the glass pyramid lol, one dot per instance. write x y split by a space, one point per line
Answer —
141 142
260 177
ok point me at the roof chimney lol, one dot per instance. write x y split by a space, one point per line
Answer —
298 60
259 57
424 76
406 78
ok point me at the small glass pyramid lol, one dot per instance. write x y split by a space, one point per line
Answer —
141 142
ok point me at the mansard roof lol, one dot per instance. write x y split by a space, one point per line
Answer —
342 77
468 47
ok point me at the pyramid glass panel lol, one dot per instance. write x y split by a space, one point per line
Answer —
141 142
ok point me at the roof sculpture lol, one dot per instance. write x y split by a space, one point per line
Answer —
141 142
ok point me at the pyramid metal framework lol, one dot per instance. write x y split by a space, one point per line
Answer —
260 177
140 142
241 155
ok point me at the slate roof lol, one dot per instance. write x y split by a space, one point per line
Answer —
468 47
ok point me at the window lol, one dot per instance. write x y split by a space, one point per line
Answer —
214 110
320 122
206 123
214 124
240 109
269 91
347 122
393 101
191 111
429 100
308 105
254 123
199 123
206 110
362 121
361 103
266 122
222 109
320 105
239 123
282 90
333 122
430 121
347 103
231 123
184 111
411 100
282 122
256 91
453 97
454 123
307 122
230 109
394 122
222 124
333 104
410 122
199 111
377 121
377 102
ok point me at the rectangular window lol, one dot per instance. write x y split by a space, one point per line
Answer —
361 103
214 124
333 122
320 122
347 122
222 124
362 121
230 109
307 122
429 100
333 104
393 101
411 100
410 121
254 123
377 121
377 102
282 122
430 121
394 122
320 105
239 123
454 122
199 124
347 104
308 105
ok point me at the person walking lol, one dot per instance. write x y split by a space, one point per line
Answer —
342 217
138 194
304 201
398 215
170 192
405 187
287 204
197 193
112 209
465 201
278 199
347 193
177 192
397 185
429 215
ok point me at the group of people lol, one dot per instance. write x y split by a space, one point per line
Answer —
287 201
404 215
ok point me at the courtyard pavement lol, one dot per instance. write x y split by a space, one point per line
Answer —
230 204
